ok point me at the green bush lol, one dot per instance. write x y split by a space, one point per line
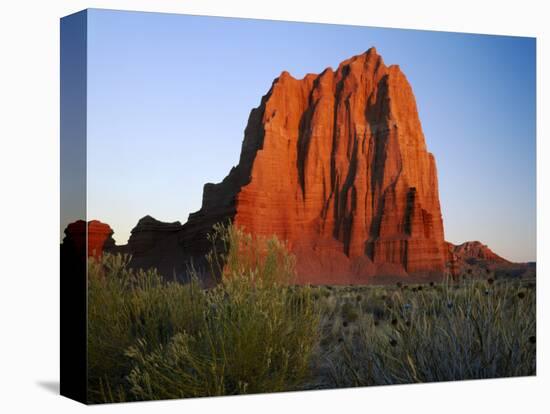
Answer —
151 339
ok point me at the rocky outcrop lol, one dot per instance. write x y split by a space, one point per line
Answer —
474 259
474 252
154 244
148 233
337 165
98 235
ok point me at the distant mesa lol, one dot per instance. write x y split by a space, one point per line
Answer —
474 258
337 165
474 252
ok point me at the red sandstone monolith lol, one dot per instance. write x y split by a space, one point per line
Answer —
337 165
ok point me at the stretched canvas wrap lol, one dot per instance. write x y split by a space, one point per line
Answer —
252 206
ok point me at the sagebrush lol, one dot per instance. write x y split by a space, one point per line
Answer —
153 339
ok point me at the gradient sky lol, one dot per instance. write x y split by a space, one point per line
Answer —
169 97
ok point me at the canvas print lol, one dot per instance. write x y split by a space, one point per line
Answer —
254 206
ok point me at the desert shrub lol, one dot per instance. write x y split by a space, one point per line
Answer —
349 312
257 261
375 307
512 272
124 306
152 339
251 343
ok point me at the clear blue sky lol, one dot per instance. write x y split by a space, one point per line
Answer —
169 97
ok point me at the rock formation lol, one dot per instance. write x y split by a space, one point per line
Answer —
148 233
337 165
99 237
476 259
473 252
154 244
